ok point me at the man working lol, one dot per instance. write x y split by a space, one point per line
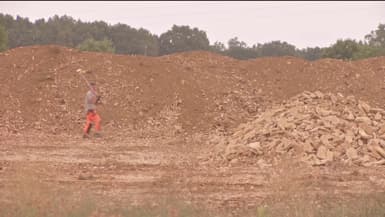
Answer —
90 106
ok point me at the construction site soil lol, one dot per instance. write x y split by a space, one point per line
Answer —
229 134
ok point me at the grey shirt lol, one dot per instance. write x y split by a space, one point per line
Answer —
89 101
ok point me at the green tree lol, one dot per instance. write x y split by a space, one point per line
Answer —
132 41
66 31
21 32
217 47
311 53
183 38
342 49
91 44
3 39
240 50
377 37
235 43
277 48
366 50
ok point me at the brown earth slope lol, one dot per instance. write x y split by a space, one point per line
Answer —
162 117
41 88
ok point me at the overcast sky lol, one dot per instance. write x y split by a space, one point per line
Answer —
303 24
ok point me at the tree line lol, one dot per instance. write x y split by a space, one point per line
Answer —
123 39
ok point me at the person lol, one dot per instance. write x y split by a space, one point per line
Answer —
92 117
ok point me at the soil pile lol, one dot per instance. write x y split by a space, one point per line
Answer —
41 88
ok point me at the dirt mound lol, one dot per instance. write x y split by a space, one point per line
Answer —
172 97
41 89
315 127
184 92
283 77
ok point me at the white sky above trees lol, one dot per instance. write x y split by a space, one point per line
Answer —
302 24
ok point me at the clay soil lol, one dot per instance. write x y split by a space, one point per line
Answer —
162 118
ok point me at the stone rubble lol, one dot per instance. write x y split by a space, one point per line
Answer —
315 127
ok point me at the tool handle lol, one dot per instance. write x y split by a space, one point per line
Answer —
88 83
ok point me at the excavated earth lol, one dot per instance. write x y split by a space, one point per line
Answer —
229 134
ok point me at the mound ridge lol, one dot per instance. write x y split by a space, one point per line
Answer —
41 89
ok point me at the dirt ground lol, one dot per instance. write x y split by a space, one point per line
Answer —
138 170
159 118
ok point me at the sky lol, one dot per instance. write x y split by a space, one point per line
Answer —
302 24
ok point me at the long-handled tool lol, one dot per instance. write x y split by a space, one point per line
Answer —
85 79
89 85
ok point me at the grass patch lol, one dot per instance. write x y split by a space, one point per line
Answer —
371 205
32 197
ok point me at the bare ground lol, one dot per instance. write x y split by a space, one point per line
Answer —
136 170
185 97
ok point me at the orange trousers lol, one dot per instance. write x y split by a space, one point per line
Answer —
92 118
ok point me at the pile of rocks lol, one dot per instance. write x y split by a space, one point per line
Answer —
315 127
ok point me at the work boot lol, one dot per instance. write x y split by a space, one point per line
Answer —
97 135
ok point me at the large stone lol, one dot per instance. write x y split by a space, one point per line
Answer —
284 125
334 120
351 99
363 134
349 116
326 140
322 152
377 110
375 146
363 106
249 135
372 144
360 143
367 128
329 155
351 153
333 99
308 148
338 138
365 158
349 136
381 131
363 119
255 147
377 117
323 112
381 136
284 145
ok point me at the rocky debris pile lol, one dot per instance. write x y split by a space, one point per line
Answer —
315 127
